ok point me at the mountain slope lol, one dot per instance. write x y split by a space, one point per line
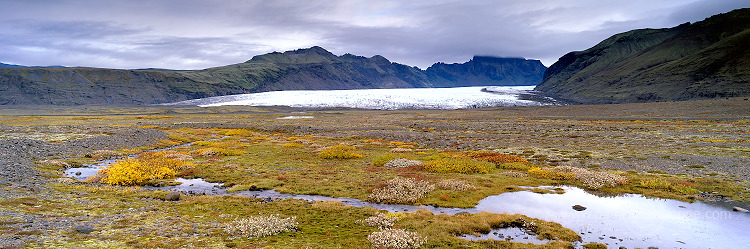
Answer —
9 65
304 69
707 59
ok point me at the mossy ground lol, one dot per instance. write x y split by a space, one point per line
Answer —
252 149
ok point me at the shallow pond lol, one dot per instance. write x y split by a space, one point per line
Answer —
82 173
631 220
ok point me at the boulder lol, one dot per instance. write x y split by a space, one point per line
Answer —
84 229
172 196
579 208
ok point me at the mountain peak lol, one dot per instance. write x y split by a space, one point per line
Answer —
313 54
9 65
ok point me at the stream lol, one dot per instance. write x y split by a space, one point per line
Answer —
627 220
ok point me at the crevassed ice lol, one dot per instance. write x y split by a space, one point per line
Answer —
383 99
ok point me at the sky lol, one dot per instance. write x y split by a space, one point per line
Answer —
197 34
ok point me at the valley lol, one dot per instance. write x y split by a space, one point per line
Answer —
693 151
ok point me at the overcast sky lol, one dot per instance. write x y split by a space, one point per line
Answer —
196 34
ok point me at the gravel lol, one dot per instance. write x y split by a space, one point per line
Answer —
19 178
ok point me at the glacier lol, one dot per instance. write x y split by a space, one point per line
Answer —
384 99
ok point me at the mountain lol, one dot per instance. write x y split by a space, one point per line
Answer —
9 65
481 70
304 69
706 59
15 66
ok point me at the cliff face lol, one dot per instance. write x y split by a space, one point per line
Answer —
707 59
482 70
303 69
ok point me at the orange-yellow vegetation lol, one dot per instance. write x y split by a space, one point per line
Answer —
494 157
293 145
458 165
240 132
145 167
541 173
225 144
213 151
339 152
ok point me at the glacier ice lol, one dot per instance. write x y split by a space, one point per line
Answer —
381 99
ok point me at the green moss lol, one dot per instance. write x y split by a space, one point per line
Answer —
695 166
594 246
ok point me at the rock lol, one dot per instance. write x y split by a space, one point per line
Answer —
579 208
13 245
84 229
739 209
172 196
622 247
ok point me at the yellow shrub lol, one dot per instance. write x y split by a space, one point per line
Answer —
226 144
240 132
458 165
147 166
494 157
339 152
292 145
207 152
514 166
436 156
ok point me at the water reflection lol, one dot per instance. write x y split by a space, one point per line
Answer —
617 220
514 234
631 220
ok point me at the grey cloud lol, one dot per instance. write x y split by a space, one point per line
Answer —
203 33
73 29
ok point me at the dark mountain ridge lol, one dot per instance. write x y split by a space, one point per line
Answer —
482 69
304 69
706 59
15 66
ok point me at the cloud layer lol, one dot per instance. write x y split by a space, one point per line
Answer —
195 34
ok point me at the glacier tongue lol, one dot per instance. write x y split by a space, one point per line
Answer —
380 99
